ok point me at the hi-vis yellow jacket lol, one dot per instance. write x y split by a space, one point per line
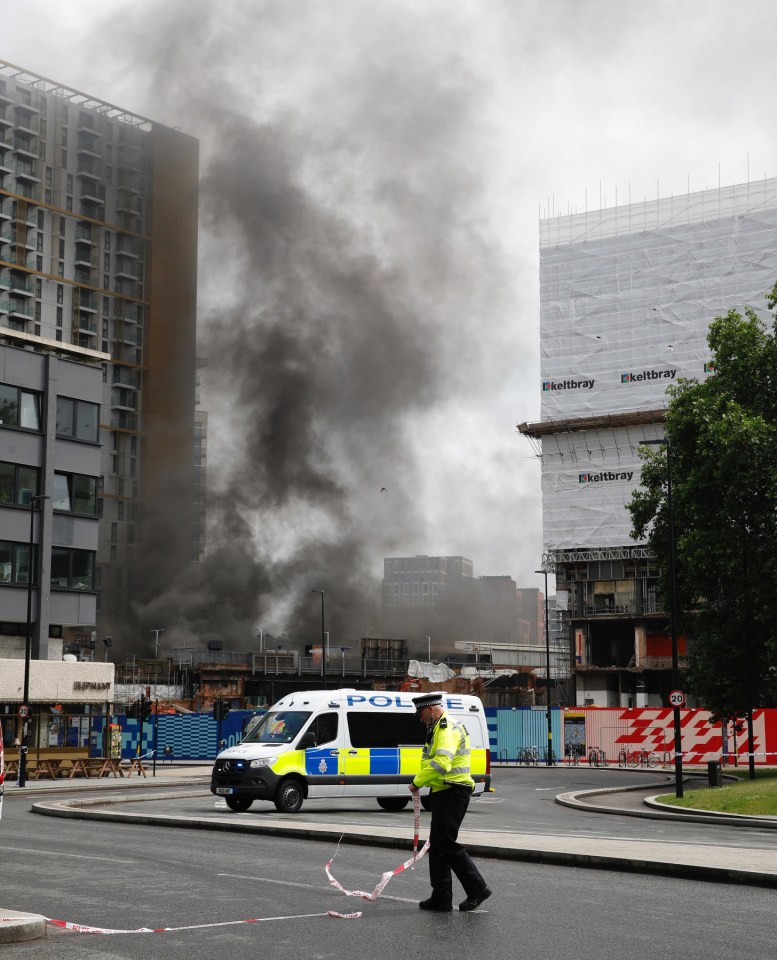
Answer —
445 757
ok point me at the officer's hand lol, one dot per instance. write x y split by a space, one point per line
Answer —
412 788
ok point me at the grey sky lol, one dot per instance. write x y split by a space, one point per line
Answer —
398 155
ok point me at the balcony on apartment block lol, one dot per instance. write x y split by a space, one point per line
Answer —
85 300
27 172
17 309
20 284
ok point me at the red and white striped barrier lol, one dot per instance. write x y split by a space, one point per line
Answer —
408 864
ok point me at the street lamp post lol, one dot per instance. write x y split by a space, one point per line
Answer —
549 752
323 637
28 641
678 743
156 631
429 647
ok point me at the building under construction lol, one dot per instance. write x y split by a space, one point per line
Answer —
627 295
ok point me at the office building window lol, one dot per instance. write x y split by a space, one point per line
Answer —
75 493
18 483
78 419
72 569
19 408
15 562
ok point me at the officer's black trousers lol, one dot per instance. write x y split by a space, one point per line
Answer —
446 854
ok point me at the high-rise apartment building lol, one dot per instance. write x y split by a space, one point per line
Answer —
98 258
627 295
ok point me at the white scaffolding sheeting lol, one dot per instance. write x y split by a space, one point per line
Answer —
627 296
624 317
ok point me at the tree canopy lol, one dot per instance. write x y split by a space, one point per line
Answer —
721 441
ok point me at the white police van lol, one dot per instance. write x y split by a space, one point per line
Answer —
340 743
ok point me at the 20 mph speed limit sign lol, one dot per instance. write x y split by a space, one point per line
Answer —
677 698
24 711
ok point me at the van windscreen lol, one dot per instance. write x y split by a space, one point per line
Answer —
280 726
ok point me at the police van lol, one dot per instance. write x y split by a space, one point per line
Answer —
340 743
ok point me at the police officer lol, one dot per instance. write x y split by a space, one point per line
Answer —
445 770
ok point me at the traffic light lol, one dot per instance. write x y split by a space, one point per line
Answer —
147 710
220 709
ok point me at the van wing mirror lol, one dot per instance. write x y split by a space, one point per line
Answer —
308 740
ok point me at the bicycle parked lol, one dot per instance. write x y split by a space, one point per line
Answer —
637 758
528 755
597 757
572 753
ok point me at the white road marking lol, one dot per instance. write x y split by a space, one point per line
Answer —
59 853
304 886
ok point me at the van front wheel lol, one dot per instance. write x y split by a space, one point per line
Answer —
288 798
392 804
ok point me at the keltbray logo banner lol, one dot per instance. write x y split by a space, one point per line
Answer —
605 476
571 384
648 375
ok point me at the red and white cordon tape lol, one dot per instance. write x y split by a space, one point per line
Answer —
363 894
82 928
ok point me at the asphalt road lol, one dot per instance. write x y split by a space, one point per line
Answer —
129 876
523 802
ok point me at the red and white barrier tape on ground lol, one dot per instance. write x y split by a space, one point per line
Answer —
82 928
364 895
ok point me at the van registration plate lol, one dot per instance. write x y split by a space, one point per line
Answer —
224 791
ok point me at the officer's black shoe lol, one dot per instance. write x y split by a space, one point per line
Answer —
432 904
472 903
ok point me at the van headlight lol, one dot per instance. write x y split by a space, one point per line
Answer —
262 762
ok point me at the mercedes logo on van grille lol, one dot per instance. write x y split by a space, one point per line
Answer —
227 765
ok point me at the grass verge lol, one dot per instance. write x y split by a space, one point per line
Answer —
750 797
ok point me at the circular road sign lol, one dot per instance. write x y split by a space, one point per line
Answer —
677 698
24 711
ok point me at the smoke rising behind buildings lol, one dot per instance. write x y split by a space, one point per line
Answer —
372 174
349 283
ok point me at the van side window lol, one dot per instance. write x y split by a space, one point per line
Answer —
383 729
325 728
410 731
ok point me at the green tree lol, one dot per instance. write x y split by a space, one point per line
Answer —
722 446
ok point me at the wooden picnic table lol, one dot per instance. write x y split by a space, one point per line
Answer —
104 767
36 769
92 767
135 765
